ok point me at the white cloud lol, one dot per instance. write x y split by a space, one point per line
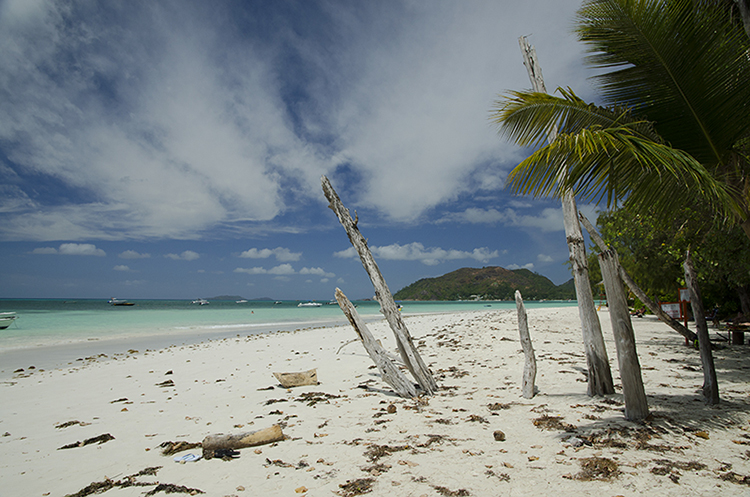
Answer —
548 219
319 271
132 254
72 249
544 258
528 266
417 252
187 255
44 250
251 270
121 267
192 130
282 254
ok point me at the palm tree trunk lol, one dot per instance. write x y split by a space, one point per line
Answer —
710 385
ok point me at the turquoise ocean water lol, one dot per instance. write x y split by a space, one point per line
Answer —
51 331
46 322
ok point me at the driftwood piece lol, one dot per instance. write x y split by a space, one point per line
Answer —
388 370
636 404
650 304
406 347
529 366
710 383
289 380
599 373
220 441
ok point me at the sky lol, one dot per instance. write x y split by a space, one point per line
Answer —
174 149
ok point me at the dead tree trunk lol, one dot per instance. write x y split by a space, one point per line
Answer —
388 371
599 373
404 341
652 306
529 366
710 385
212 443
636 404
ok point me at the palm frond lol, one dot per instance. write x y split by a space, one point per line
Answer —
686 69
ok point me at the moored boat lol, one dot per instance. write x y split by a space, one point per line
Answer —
309 304
118 302
6 319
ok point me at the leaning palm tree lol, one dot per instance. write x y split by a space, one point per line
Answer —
676 121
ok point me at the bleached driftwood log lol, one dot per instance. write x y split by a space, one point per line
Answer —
406 347
636 404
652 306
529 366
599 373
388 370
710 383
220 441
289 380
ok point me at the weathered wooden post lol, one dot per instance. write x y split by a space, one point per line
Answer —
383 295
529 365
652 306
388 371
636 404
710 384
599 373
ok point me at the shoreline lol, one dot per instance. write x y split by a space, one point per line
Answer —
351 432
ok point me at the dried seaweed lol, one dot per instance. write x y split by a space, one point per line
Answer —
312 398
451 493
171 448
597 468
99 487
106 437
357 487
170 488
552 423
375 452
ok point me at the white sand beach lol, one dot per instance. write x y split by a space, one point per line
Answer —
350 434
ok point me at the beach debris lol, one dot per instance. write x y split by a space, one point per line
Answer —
499 435
529 366
213 443
375 451
71 423
596 468
500 476
383 295
300 490
165 384
356 487
121 399
170 448
106 437
99 487
551 423
289 380
498 406
389 371
312 398
190 457
451 493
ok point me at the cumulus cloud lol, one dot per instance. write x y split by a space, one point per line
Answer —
284 270
417 252
121 267
132 254
282 254
72 249
548 219
544 258
528 266
187 255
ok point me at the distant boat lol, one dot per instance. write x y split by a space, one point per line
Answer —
6 319
114 301
277 302
309 304
241 301
200 302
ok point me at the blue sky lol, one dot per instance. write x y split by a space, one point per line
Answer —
174 149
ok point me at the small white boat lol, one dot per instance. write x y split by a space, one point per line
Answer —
309 304
200 302
6 319
114 301
241 301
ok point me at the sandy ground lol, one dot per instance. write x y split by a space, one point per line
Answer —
350 435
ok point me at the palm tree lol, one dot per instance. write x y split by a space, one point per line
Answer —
676 122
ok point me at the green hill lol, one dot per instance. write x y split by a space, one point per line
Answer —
488 283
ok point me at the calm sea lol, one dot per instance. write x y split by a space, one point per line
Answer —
50 331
